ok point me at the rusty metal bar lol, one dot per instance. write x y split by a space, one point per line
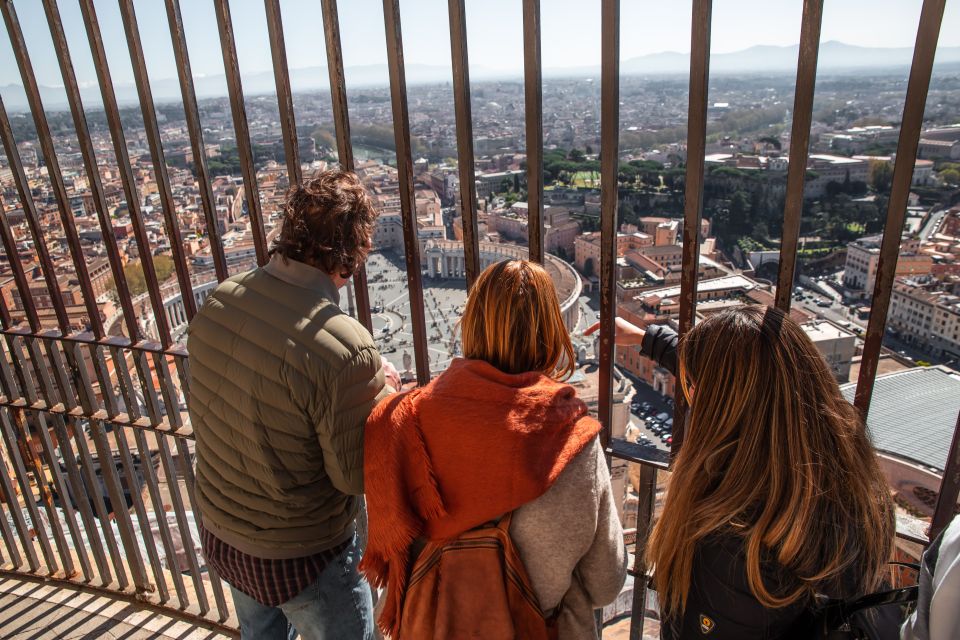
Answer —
341 124
645 508
192 114
949 487
533 104
8 538
53 165
288 122
401 131
19 522
20 471
799 147
241 128
33 221
928 32
152 128
609 154
128 477
90 162
183 451
124 166
60 486
696 145
464 119
13 256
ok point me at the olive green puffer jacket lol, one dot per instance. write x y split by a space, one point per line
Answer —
281 384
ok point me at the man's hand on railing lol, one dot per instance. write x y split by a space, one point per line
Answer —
627 333
391 374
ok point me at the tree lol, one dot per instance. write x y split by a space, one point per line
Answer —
881 176
950 177
576 155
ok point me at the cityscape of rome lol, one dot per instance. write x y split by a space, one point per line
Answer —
853 143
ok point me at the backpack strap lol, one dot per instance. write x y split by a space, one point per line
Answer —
881 598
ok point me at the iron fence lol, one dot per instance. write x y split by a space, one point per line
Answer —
93 512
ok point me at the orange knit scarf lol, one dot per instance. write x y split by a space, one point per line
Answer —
472 445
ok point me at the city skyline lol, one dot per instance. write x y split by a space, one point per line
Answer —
566 42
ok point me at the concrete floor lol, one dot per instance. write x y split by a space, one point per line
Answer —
32 610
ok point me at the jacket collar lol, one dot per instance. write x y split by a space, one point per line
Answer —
300 274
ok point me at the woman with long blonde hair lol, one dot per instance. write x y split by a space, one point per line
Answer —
776 494
499 432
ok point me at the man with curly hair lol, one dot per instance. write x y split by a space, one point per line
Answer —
282 382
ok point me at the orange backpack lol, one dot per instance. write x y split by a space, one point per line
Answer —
474 586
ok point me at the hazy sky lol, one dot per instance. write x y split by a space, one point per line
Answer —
570 35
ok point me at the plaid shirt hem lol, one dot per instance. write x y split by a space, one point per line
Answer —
269 582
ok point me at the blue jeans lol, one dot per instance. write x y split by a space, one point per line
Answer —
338 606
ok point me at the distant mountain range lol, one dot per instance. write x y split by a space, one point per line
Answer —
835 57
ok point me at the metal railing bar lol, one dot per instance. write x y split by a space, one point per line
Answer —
167 392
124 524
14 454
533 105
16 559
173 488
33 221
90 162
464 124
84 337
645 507
98 499
928 33
28 385
341 125
799 147
103 379
645 456
19 277
183 451
241 128
69 513
127 477
54 174
949 487
281 74
39 366
194 128
11 385
693 211
55 359
609 154
401 132
145 378
124 167
125 382
79 490
152 128
19 522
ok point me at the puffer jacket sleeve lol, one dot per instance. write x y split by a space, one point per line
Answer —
355 391
603 570
660 345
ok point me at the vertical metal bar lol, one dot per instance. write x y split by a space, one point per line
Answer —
192 114
98 500
69 513
533 104
53 165
928 32
8 538
124 165
83 501
799 147
90 164
167 391
645 508
949 487
401 131
133 487
609 155
693 212
33 221
23 480
19 522
241 128
186 538
184 452
149 112
464 119
13 256
341 123
288 122
109 473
